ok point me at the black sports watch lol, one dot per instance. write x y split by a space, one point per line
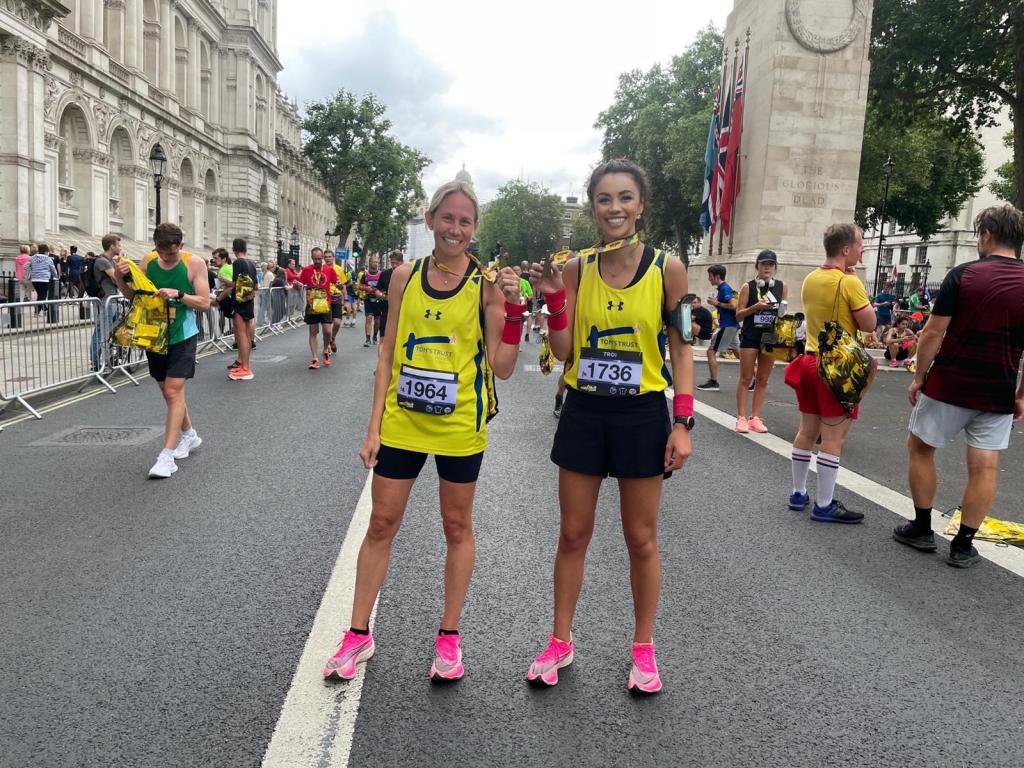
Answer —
686 421
181 294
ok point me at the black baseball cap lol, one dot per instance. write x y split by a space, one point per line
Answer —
767 255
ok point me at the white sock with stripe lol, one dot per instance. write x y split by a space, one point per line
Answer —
828 469
801 461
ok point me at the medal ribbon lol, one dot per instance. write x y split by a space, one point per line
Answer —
563 256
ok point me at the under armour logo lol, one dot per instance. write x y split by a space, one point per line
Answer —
428 313
612 305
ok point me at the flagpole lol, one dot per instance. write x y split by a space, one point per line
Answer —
732 88
714 176
739 138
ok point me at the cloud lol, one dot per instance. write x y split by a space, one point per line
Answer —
382 60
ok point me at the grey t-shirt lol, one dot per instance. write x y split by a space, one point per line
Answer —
107 285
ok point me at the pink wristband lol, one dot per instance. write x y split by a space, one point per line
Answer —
682 405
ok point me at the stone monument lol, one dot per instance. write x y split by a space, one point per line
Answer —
806 88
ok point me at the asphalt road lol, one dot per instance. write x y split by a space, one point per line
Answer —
159 623
877 446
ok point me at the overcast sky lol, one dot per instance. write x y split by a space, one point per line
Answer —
510 89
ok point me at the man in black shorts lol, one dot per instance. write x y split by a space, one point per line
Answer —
181 281
702 320
372 305
243 294
318 279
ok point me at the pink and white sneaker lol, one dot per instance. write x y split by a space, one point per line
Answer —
644 677
544 670
742 425
447 664
756 425
353 649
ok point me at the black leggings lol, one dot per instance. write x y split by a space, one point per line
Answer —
42 291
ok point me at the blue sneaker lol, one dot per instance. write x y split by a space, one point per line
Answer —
835 513
798 501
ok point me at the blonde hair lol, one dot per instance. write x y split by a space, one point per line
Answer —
451 187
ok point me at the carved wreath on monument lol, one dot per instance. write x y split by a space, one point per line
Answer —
812 41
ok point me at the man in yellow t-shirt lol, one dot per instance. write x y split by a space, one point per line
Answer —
336 297
832 291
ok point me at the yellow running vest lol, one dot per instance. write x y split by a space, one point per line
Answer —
436 401
618 333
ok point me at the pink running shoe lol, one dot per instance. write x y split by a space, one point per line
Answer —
742 425
544 670
756 425
353 649
447 664
644 677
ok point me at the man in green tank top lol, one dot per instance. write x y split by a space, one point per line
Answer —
181 280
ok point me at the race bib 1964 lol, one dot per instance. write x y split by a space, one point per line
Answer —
610 372
427 391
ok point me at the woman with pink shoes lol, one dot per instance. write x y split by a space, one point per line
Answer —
758 311
606 314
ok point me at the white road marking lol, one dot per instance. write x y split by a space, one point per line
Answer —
1010 558
318 717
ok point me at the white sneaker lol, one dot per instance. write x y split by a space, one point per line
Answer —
186 445
164 467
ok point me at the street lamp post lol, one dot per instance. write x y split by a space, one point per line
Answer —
281 260
327 238
887 167
157 163
293 241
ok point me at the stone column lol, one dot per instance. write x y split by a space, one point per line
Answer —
216 85
805 94
22 164
166 74
132 34
115 28
244 115
192 65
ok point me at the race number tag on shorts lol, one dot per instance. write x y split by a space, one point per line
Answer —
610 372
427 391
765 319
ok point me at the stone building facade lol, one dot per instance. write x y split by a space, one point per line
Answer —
87 88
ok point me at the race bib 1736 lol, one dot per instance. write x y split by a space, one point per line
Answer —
610 372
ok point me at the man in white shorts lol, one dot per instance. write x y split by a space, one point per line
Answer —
966 381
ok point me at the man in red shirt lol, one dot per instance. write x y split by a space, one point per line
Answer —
291 286
318 279
968 357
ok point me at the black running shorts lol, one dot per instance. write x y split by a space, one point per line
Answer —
178 363
312 318
244 309
612 436
337 310
400 464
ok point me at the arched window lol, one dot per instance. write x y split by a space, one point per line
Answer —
122 184
210 212
74 170
188 203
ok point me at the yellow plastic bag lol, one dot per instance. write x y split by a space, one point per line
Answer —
999 531
147 322
318 304
547 358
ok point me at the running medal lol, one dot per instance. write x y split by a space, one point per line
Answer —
563 256
490 274
547 359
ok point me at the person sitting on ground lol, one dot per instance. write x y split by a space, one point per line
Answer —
900 343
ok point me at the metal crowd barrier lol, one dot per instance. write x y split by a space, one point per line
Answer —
46 344
55 343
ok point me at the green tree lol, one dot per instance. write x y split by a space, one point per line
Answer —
937 169
1003 185
583 232
962 58
372 178
525 218
660 118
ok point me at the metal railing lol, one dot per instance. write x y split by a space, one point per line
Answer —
46 345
